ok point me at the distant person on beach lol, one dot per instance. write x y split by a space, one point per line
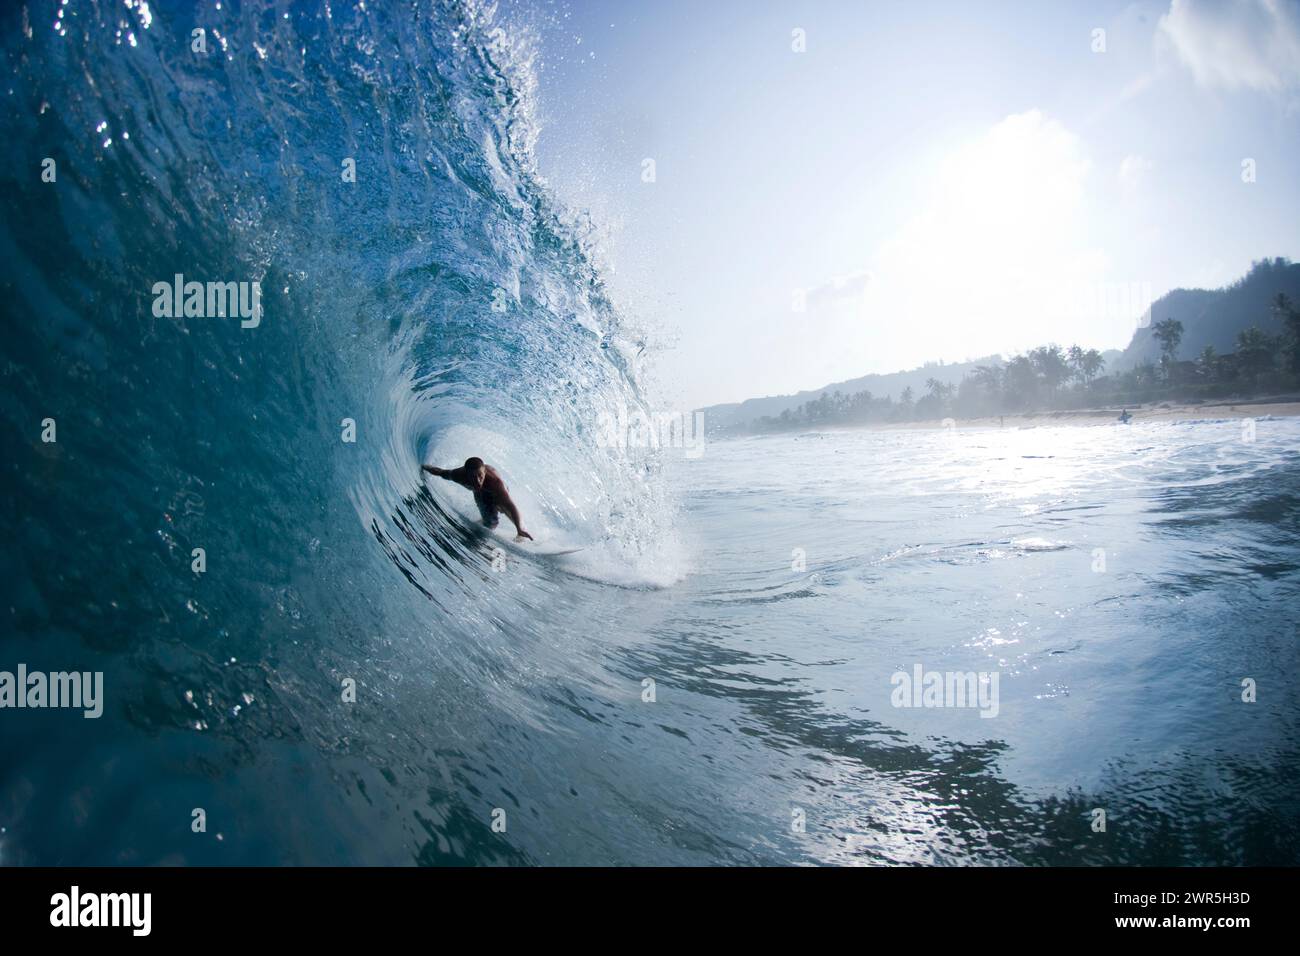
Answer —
490 492
1124 416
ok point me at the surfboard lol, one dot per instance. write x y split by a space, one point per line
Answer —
540 549
536 549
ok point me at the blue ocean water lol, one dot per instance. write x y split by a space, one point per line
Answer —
709 681
1120 581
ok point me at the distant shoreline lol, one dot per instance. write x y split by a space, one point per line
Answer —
1150 412
1164 411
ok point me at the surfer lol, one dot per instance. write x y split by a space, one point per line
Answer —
489 492
1124 416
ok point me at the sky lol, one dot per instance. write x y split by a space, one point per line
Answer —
841 188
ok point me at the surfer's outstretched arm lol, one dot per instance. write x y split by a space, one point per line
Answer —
457 475
512 513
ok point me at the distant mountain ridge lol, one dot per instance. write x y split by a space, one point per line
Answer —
728 416
1215 316
1209 317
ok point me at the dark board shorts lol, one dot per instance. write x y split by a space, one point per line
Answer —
488 511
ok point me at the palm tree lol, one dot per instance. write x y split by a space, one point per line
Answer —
1049 362
1019 382
1085 363
1169 333
988 378
940 391
1093 363
1254 350
1282 309
1207 360
1074 358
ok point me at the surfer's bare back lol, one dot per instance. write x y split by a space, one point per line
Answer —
489 492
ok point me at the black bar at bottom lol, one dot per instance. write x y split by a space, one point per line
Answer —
335 905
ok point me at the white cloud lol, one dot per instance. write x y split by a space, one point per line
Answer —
1133 169
1238 44
845 287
